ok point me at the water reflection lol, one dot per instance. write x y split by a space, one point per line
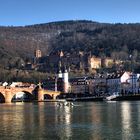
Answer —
96 121
130 120
63 121
126 120
11 121
86 121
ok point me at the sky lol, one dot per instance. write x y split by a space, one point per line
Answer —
28 12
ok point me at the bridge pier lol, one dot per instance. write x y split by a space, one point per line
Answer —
54 96
8 97
40 95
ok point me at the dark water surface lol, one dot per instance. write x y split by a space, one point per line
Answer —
85 121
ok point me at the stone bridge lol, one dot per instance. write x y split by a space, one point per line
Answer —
8 93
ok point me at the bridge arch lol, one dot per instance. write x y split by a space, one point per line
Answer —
58 96
21 96
41 93
7 94
2 98
47 96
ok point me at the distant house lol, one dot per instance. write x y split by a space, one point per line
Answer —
123 83
79 85
133 83
94 62
114 83
100 84
52 84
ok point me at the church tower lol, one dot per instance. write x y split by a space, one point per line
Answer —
38 53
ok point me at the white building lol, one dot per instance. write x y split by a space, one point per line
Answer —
133 84
66 81
123 83
116 82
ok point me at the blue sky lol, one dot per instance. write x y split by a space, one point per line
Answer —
27 12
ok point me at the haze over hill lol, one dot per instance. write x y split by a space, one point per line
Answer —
17 44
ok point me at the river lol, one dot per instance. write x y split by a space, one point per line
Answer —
84 121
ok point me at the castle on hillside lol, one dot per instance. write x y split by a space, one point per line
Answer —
81 61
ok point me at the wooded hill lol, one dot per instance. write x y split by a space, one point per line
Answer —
17 44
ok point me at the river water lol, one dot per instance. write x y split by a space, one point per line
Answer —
84 121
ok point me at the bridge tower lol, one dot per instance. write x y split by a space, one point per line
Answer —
66 81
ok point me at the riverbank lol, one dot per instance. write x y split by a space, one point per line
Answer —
135 97
80 99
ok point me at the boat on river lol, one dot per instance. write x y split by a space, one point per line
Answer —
112 97
60 104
